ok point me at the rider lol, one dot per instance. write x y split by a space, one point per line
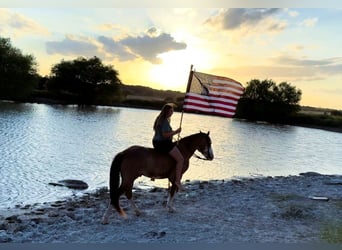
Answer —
162 139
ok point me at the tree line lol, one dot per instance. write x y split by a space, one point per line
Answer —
267 101
90 82
81 81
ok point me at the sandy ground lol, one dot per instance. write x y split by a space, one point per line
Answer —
270 209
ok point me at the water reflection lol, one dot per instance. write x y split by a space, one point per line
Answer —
46 143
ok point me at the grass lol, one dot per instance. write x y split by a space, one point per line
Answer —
332 232
318 120
290 207
285 197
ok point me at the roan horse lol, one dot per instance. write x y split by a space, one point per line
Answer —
136 161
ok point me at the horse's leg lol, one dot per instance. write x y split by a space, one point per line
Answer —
117 198
171 198
105 218
109 210
136 209
128 191
129 196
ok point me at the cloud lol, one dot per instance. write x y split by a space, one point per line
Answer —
153 32
73 46
293 13
148 46
19 24
152 44
303 68
115 49
288 69
286 60
309 22
235 19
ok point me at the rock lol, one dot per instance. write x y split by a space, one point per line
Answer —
75 184
53 214
13 219
310 174
4 238
71 215
37 220
3 226
333 182
319 198
156 189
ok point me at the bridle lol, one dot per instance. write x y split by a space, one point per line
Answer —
196 155
200 157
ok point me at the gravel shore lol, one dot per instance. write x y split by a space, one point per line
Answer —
297 209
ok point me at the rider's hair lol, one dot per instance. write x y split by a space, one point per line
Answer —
162 115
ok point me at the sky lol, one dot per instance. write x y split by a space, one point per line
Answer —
156 46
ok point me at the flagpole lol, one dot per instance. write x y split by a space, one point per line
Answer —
187 90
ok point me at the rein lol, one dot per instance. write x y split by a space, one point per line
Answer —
200 157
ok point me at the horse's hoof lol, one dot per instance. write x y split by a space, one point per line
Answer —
171 209
123 214
138 213
104 221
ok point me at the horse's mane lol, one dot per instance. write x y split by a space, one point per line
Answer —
188 138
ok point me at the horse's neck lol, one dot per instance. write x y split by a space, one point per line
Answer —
187 148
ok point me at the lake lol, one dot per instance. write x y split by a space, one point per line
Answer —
45 143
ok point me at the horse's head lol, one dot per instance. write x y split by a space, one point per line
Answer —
204 146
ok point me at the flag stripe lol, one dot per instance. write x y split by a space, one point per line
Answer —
212 99
223 83
212 105
224 95
225 79
209 104
210 111
226 88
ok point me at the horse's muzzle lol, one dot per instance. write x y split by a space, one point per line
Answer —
210 155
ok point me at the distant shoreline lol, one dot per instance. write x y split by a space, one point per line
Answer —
154 107
326 128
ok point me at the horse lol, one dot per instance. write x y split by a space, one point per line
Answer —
136 161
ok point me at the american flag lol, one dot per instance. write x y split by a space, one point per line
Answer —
212 94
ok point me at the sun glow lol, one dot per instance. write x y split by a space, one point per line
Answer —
173 72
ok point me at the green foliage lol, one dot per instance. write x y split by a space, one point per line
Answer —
88 80
320 120
18 75
332 232
259 90
336 113
144 103
267 101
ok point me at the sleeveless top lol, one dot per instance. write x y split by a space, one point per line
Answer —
161 143
162 128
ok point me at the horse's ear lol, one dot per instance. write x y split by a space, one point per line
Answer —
208 133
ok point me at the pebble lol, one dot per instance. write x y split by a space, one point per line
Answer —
4 238
276 209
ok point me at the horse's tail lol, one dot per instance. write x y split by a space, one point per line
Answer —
114 182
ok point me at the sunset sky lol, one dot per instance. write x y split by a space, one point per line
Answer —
156 46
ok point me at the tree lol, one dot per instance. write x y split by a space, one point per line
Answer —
259 90
287 94
18 73
267 101
88 80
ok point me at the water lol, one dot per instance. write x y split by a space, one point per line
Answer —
45 143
